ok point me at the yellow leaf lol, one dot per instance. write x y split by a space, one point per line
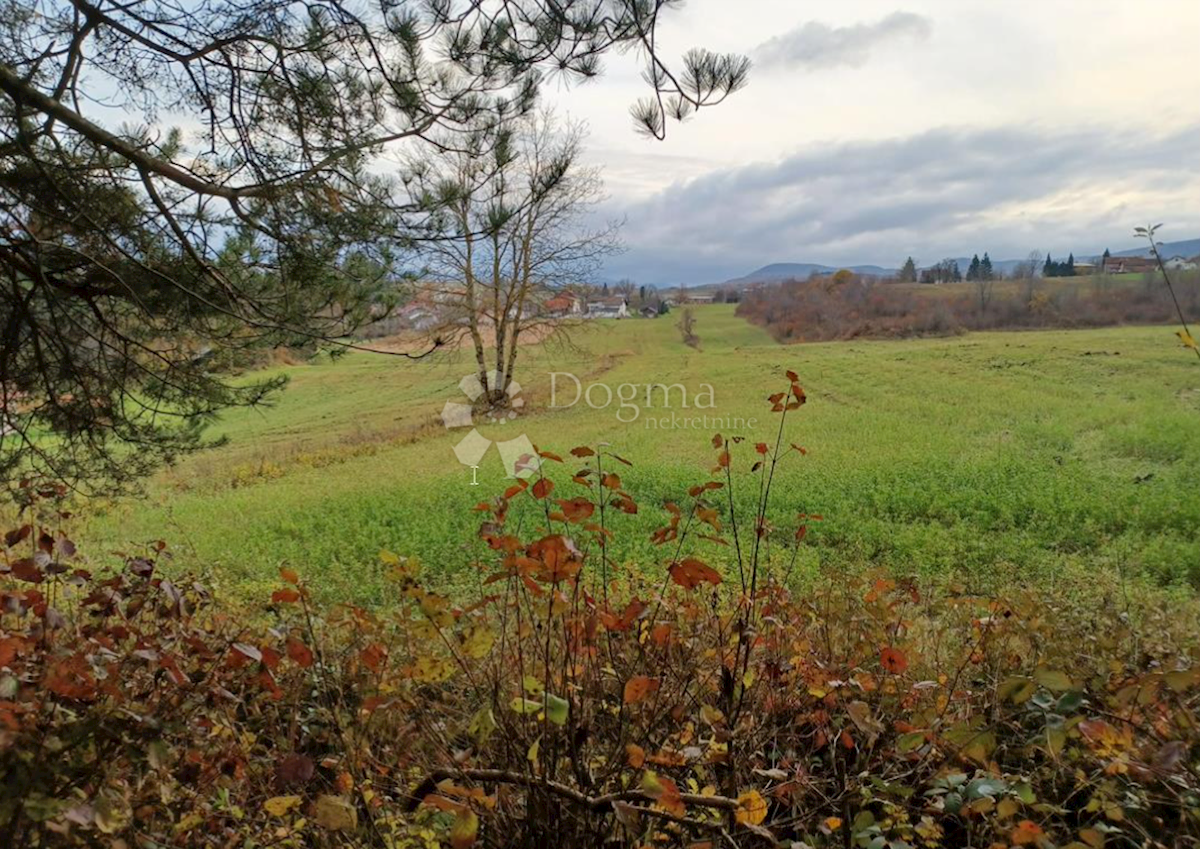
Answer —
278 806
833 823
478 641
335 813
751 809
465 829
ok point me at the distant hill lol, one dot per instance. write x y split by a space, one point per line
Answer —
800 270
1188 248
778 271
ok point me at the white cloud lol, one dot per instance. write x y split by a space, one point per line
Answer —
819 45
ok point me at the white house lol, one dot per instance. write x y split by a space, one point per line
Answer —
1180 263
608 308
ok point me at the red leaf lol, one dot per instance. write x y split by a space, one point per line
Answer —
27 570
893 660
582 451
372 656
289 575
300 654
542 488
285 596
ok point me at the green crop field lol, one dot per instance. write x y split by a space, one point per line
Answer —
1000 455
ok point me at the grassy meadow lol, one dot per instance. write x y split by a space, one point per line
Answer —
980 457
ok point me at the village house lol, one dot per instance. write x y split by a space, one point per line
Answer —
1181 263
608 308
562 305
1129 265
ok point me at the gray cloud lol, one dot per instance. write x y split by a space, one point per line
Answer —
818 45
945 192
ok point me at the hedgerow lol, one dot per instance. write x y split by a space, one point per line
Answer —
571 702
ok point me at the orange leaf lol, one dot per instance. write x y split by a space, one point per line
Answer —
690 573
635 754
543 487
286 596
638 687
289 575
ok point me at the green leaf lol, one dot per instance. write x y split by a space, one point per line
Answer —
521 705
557 709
1053 679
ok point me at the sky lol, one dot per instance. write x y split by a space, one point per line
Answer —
872 131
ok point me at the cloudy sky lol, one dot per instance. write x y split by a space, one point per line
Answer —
875 130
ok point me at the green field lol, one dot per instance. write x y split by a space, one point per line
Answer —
1001 455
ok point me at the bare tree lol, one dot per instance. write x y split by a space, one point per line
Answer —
132 256
687 328
507 234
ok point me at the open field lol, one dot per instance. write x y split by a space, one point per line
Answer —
993 455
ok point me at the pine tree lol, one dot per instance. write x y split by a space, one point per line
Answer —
973 268
985 268
1050 269
908 274
1069 269
955 274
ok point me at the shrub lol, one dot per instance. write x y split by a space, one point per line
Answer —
570 704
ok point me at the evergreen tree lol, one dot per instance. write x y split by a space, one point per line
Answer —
973 268
1050 269
125 250
908 274
985 268
955 274
1069 268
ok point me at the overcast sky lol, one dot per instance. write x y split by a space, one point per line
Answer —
875 130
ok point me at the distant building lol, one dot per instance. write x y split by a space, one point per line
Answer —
608 308
1129 265
563 304
1180 263
1085 269
648 312
418 316
700 299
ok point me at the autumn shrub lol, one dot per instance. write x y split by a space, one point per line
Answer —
570 703
816 310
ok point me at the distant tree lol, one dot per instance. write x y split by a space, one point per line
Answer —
642 294
908 274
1028 268
928 275
663 307
1069 269
604 290
1050 268
985 267
842 276
973 268
955 274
